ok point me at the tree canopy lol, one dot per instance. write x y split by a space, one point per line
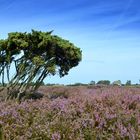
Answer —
104 82
36 55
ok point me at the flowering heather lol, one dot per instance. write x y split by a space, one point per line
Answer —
101 114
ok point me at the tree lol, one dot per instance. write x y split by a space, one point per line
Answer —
92 83
35 55
118 82
104 82
128 83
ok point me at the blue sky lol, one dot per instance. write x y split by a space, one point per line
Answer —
107 31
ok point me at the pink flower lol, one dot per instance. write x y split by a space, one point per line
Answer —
56 136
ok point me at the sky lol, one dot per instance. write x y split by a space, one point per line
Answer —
107 31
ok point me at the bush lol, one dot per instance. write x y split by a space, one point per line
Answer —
55 95
32 95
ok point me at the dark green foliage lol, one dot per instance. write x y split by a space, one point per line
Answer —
32 95
92 83
104 82
78 84
35 56
1 132
128 83
55 95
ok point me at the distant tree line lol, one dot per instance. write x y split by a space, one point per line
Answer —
117 82
100 82
105 82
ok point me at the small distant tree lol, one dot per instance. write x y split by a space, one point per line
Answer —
35 55
128 83
77 84
104 82
92 83
117 82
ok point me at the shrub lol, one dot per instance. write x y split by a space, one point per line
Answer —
55 95
33 95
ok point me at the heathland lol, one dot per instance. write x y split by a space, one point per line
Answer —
74 113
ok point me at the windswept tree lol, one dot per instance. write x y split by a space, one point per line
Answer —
35 55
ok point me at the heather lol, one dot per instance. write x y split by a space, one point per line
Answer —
83 113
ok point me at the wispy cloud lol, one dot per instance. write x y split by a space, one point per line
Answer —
6 5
